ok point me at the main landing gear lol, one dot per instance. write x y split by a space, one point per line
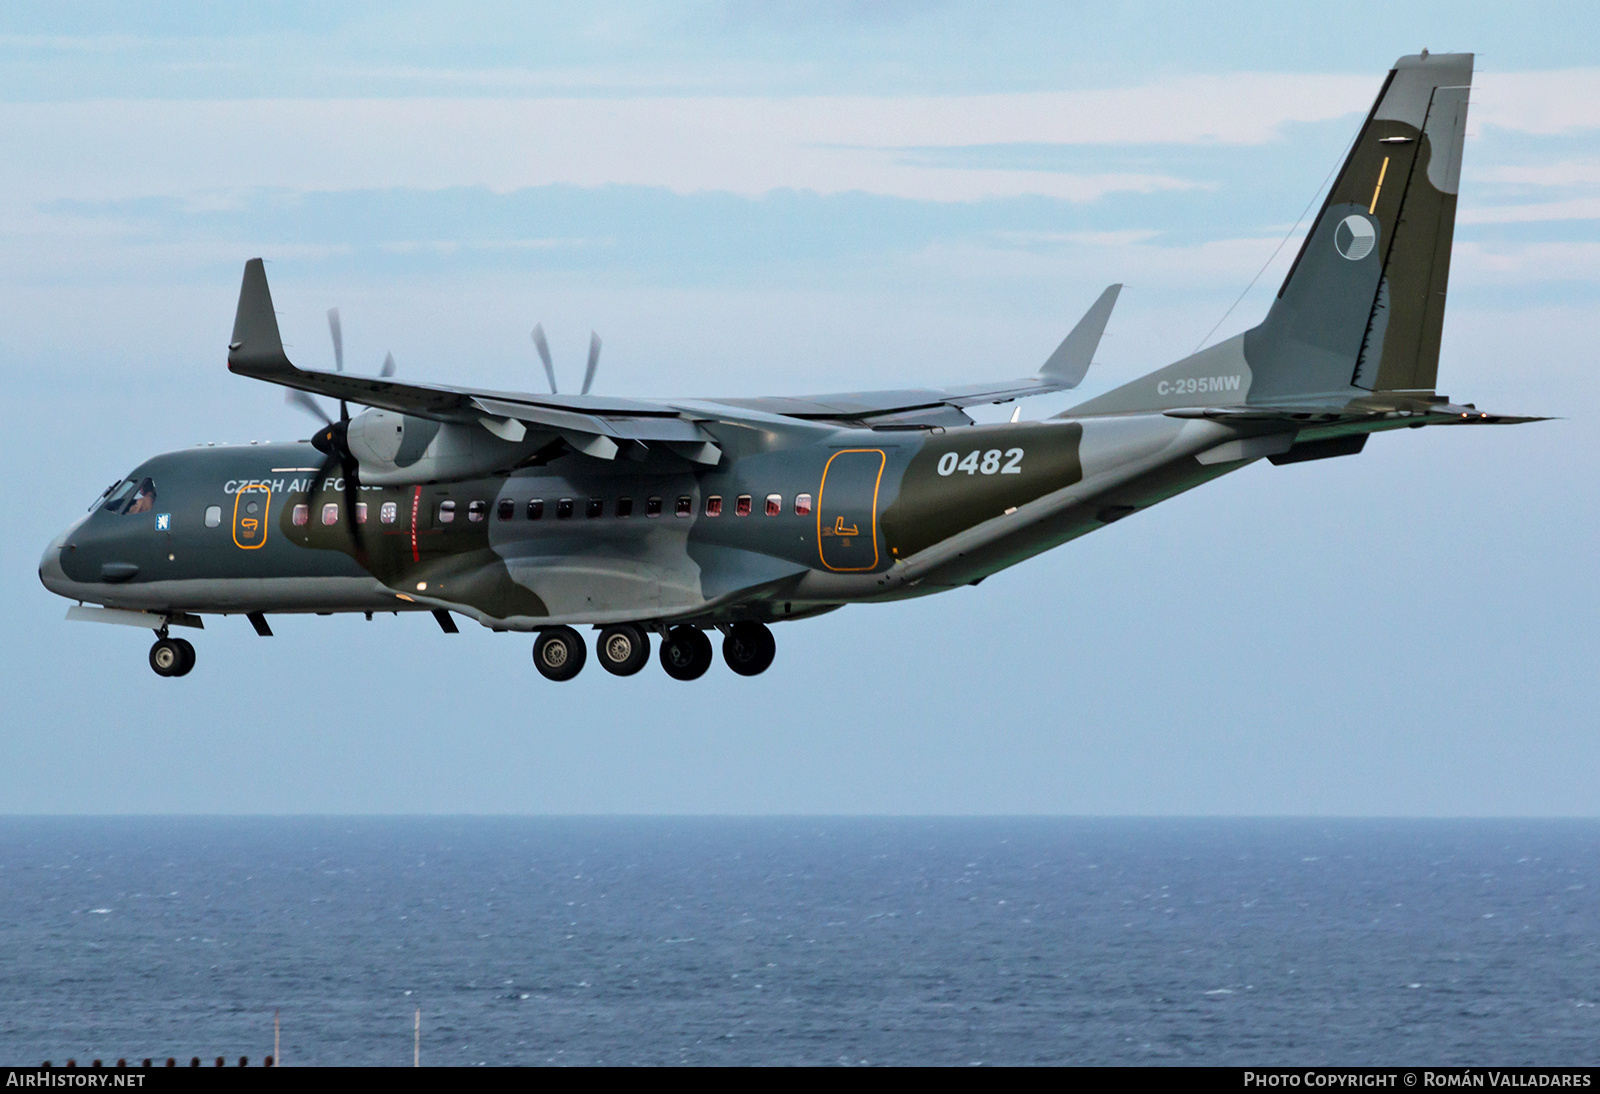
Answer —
749 648
172 657
686 653
624 648
559 653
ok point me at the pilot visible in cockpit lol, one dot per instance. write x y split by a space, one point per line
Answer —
144 500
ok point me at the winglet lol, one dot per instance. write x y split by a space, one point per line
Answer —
256 348
1070 362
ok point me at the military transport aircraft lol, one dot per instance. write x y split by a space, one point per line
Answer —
534 512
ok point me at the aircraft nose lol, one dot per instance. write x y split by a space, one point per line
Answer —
51 574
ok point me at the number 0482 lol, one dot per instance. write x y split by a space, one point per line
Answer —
982 463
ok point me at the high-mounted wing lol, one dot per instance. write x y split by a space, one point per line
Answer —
1064 369
596 424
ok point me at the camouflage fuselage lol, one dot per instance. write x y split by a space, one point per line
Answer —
777 530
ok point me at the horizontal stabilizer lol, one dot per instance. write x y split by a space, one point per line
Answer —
1070 362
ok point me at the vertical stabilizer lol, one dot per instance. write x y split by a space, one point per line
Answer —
1363 305
1362 309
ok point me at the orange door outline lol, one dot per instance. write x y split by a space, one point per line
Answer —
266 509
872 530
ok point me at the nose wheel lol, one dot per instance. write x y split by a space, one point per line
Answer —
749 648
172 657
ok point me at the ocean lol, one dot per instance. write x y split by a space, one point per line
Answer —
801 940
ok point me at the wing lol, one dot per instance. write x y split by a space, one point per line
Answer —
1064 369
594 424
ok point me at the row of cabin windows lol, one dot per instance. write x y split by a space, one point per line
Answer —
506 509
743 506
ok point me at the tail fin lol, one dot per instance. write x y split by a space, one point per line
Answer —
1363 305
1362 309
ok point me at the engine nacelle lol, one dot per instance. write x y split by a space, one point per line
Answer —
400 450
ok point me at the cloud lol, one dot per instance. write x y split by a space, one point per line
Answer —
1549 103
1533 212
108 149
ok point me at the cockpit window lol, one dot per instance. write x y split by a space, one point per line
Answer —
104 494
144 500
132 497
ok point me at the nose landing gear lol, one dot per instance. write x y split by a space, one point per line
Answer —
172 657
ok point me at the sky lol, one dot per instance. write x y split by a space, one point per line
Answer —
756 199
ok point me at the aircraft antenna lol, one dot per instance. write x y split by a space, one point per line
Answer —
1290 235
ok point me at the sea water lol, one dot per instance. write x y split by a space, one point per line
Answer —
800 940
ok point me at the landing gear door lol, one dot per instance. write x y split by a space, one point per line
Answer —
847 509
250 507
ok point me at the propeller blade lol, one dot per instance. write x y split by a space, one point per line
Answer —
352 498
388 365
544 355
336 329
594 361
297 398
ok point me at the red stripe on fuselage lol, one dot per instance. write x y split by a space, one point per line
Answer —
416 504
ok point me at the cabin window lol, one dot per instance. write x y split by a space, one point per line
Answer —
685 506
388 512
300 515
652 507
330 513
741 508
447 512
564 509
624 507
505 509
595 508
535 508
774 505
361 512
714 505
802 505
477 511
213 515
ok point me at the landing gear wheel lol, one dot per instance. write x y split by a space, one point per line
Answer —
686 653
623 649
559 653
748 648
167 658
188 656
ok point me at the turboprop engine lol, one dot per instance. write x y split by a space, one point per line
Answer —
394 449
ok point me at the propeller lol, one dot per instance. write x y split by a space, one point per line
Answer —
543 347
336 329
297 398
388 365
594 361
333 441
544 355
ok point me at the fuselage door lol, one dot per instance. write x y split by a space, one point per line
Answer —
847 509
250 506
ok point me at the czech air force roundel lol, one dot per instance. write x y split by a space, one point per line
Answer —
1355 237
